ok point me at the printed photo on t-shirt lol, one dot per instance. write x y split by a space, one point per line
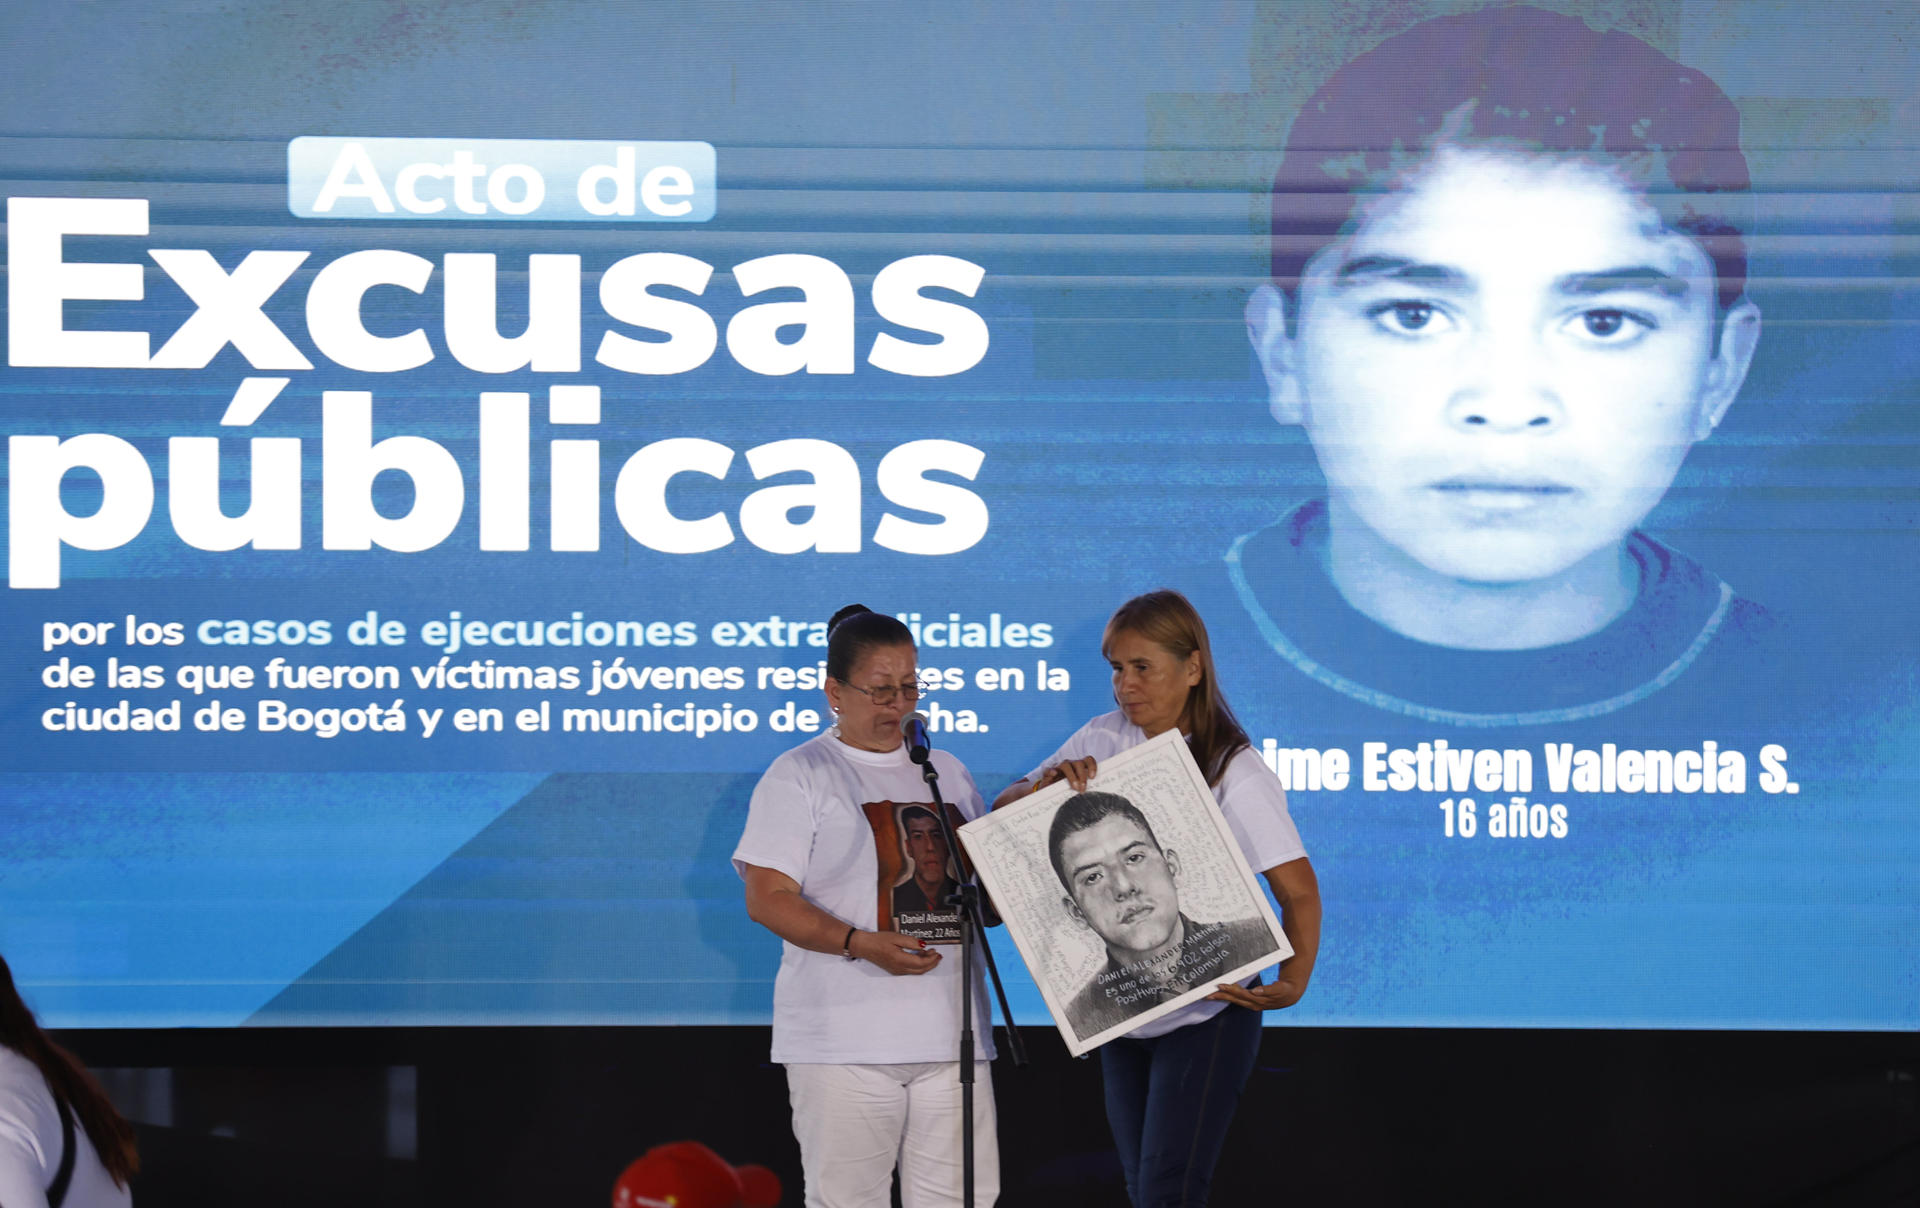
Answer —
918 873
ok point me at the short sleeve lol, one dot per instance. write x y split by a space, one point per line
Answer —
17 1185
1076 747
780 822
24 1166
961 792
1256 809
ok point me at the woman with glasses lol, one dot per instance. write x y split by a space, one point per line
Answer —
866 1017
1172 1085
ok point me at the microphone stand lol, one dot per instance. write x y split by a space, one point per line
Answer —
972 932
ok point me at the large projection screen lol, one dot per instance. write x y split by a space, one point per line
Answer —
438 433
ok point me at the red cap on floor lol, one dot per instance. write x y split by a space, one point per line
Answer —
686 1174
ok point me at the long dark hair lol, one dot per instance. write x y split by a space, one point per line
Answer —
1166 619
111 1135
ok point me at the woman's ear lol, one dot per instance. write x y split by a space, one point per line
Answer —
1267 332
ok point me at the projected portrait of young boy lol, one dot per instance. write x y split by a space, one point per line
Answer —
1508 296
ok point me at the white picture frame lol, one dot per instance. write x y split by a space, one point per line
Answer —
1185 878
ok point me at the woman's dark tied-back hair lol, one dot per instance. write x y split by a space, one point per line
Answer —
112 1136
1166 619
855 630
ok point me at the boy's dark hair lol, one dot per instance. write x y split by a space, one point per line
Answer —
1526 80
1083 810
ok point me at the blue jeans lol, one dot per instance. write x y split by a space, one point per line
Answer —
1169 1101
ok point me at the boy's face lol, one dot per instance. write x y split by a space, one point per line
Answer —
1502 369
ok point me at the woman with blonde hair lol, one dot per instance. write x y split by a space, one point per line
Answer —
1172 1084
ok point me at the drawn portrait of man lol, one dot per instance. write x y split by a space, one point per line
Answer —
1123 886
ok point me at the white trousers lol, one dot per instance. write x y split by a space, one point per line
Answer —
856 1122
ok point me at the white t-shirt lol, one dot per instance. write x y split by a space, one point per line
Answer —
807 819
30 1145
1251 799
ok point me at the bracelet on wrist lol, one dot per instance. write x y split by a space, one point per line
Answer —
846 945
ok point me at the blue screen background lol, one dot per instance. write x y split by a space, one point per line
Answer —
1105 165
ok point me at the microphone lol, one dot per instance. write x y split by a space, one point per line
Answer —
914 728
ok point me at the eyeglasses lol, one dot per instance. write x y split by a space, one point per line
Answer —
886 694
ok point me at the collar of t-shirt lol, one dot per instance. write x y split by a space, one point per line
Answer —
1677 598
873 759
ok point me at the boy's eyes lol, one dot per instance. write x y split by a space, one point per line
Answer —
1600 325
1607 326
1411 318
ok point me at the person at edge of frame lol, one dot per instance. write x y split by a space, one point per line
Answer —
62 1143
